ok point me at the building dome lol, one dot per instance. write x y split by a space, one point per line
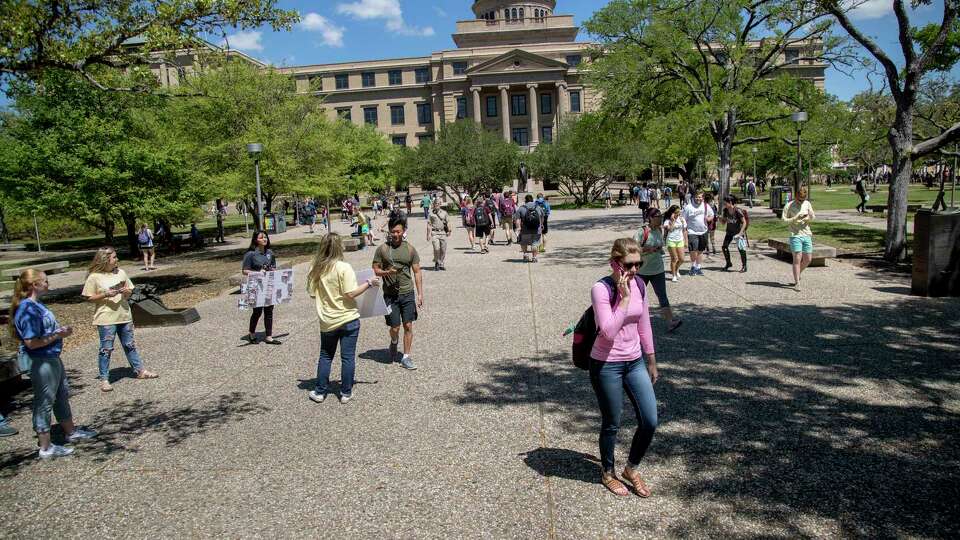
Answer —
513 9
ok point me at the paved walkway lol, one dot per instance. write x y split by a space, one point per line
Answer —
824 413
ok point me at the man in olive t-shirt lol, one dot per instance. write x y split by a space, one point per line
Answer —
398 264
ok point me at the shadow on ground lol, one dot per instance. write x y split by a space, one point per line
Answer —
120 426
849 414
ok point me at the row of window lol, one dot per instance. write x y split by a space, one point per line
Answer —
511 14
401 140
518 107
368 79
520 136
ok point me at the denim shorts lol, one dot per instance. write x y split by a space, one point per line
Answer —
801 244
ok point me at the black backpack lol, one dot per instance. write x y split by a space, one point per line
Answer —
480 217
586 331
531 218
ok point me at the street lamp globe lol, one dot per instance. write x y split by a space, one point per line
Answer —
254 149
799 116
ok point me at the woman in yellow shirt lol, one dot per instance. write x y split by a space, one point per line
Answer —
108 287
798 214
333 284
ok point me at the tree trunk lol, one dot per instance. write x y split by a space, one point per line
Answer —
4 234
130 221
901 141
108 226
725 151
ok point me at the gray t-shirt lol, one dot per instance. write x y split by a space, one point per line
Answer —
255 260
521 214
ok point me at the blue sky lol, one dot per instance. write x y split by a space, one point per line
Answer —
345 30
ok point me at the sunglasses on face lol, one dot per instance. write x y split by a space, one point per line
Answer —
631 265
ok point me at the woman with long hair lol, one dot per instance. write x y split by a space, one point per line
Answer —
333 284
617 364
798 214
675 228
108 287
259 259
650 238
41 341
469 223
145 242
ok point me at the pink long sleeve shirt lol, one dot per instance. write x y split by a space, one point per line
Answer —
625 335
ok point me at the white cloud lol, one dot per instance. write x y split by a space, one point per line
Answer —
440 12
388 10
870 9
330 34
245 41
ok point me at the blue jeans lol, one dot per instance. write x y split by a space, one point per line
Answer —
609 380
50 392
346 336
108 335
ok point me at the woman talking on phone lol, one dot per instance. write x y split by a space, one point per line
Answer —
259 259
617 364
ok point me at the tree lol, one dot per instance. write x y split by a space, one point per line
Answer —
927 50
722 63
591 152
75 150
865 142
464 159
80 36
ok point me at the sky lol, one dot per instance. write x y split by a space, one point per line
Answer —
347 30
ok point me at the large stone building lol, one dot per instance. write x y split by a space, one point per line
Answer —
515 70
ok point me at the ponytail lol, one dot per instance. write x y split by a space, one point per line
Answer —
22 288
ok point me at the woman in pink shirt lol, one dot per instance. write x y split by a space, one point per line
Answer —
617 364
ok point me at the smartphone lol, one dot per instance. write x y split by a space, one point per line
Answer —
617 267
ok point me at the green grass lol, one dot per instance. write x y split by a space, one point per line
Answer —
840 197
845 237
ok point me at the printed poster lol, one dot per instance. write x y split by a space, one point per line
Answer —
371 302
268 289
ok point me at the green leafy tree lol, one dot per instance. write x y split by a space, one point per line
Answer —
720 65
82 36
75 150
924 51
464 159
590 153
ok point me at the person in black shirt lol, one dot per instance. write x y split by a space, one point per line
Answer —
736 222
258 259
862 193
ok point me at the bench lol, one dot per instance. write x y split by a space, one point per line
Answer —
881 208
54 267
820 252
13 247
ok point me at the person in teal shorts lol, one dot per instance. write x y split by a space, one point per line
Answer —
798 214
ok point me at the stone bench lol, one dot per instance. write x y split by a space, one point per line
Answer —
881 208
54 267
820 252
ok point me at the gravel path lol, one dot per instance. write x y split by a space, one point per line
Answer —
831 412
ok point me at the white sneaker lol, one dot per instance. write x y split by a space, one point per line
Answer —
674 278
55 451
80 434
317 398
345 398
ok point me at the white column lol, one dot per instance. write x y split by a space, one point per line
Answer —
534 110
476 104
505 111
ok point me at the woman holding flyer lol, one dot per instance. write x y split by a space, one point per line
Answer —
333 284
259 259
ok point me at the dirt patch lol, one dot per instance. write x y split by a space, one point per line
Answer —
189 280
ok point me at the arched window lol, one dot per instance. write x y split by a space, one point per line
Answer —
513 14
521 13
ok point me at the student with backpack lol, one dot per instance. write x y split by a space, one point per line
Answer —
507 209
145 242
735 220
482 224
650 239
493 211
468 221
529 219
544 205
617 364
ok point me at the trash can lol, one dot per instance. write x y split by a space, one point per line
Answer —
275 223
779 196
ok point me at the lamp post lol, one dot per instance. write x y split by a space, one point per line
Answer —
754 150
254 149
799 117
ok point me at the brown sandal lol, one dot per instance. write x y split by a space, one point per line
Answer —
147 375
615 486
639 487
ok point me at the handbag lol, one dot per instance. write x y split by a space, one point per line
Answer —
741 243
866 197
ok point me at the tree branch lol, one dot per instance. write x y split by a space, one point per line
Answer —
935 143
889 67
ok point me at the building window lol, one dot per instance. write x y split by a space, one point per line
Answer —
521 136
399 140
546 134
395 76
518 105
315 82
370 115
546 103
459 68
793 55
396 115
491 106
369 79
345 114
427 137
513 14
574 60
424 113
423 75
521 13
461 108
342 81
575 101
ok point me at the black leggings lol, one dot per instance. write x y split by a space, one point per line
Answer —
862 207
267 319
726 251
